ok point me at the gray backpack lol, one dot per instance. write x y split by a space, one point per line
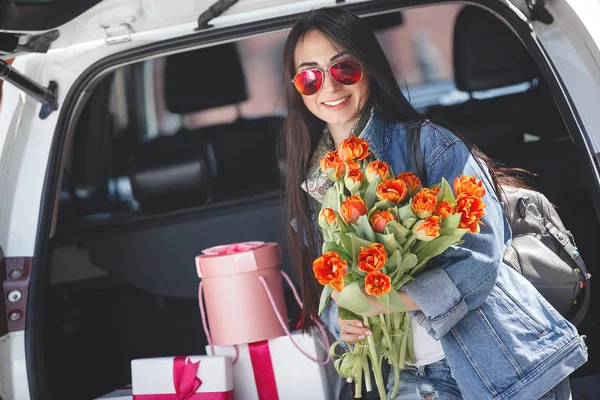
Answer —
542 250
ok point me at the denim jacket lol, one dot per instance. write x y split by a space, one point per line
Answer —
501 338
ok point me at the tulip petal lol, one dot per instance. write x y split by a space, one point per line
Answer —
338 284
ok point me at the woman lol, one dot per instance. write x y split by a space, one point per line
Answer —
481 330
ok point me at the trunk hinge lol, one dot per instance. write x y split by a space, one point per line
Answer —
118 34
46 96
213 12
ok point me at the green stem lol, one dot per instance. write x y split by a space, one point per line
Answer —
408 243
396 367
375 363
367 374
358 384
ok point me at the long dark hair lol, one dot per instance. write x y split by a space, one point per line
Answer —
301 130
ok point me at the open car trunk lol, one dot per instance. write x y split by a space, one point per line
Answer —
122 281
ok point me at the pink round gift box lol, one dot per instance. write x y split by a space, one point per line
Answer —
237 305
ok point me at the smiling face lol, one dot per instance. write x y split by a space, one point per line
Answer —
336 104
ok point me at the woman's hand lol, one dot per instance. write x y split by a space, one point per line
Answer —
352 331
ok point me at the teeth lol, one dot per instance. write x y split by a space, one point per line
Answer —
335 103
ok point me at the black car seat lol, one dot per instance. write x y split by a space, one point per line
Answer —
487 57
522 129
197 188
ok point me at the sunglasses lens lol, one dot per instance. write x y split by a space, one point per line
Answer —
308 82
346 72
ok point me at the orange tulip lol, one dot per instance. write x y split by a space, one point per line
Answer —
353 149
412 181
379 220
327 218
434 191
330 269
423 203
394 190
444 209
377 168
469 185
352 208
332 160
353 179
372 258
428 229
471 210
377 283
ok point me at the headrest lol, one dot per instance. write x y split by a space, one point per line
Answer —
487 54
171 172
205 78
244 156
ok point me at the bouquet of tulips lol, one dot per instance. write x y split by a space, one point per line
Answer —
379 232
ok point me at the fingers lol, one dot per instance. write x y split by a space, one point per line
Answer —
353 331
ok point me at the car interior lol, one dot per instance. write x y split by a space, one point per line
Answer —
138 203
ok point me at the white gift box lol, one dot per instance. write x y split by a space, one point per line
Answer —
119 394
156 376
295 376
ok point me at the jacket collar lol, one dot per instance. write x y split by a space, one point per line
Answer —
376 134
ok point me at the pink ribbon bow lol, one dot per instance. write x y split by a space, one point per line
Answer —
184 377
186 383
232 248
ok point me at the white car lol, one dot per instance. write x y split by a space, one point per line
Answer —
133 135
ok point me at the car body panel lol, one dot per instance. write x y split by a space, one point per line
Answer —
570 44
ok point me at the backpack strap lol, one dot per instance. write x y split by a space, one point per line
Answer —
527 207
416 163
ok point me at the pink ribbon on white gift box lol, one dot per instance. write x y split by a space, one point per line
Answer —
186 383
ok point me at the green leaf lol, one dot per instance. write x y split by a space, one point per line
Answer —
405 213
346 242
365 226
384 299
389 242
395 302
353 299
333 246
420 245
371 193
325 295
437 246
451 222
331 199
408 223
409 261
396 227
446 193
384 204
403 281
347 314
357 243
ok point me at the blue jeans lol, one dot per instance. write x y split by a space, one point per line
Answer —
435 381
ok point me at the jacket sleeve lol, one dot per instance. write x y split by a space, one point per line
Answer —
464 275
